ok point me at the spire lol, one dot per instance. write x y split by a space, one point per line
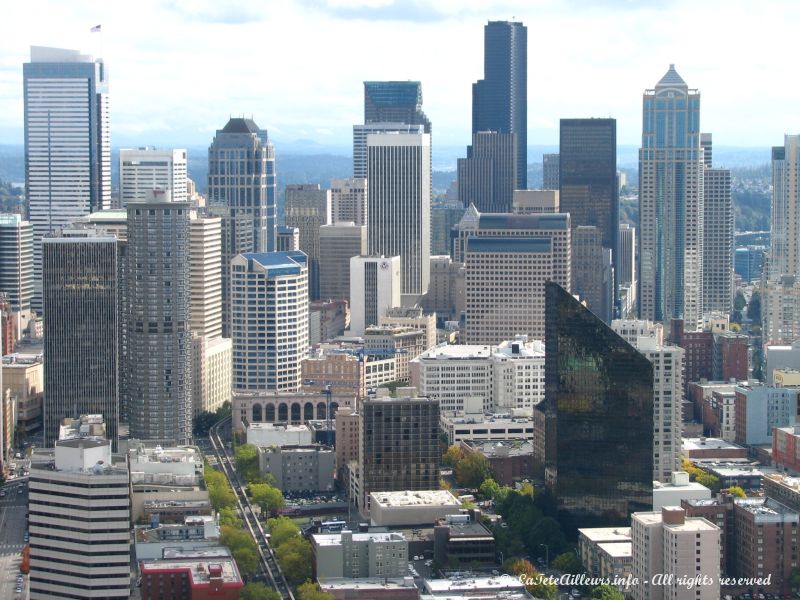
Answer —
671 78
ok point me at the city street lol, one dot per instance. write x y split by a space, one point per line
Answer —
13 507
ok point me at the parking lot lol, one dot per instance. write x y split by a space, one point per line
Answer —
13 507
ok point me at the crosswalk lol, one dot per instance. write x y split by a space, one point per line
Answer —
6 548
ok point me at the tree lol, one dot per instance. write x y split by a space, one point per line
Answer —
736 492
794 580
472 470
258 591
547 532
247 462
535 583
282 529
310 591
712 482
739 301
453 454
489 488
247 561
754 307
219 490
294 556
526 489
229 516
606 592
267 497
567 562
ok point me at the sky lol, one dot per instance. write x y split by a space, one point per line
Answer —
180 68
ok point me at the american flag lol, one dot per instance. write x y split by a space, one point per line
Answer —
95 29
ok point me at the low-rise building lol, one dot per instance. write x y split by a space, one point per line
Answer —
194 532
718 511
406 508
355 555
782 488
759 409
678 489
299 468
704 448
786 378
414 317
347 438
459 538
344 372
403 342
85 426
474 587
589 540
786 447
212 376
327 319
265 435
206 573
23 377
380 370
511 460
375 588
733 473
479 427
284 407
616 563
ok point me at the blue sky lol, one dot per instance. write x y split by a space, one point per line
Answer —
178 69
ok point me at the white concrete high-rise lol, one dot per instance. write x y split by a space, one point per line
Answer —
205 275
375 283
399 174
145 169
67 142
269 320
671 166
16 261
360 134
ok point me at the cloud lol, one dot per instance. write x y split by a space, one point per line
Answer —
221 13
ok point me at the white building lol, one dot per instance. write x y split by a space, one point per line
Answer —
349 199
360 135
375 287
399 198
403 508
679 488
785 226
477 427
667 361
205 275
80 516
265 435
211 373
509 376
668 543
144 169
269 320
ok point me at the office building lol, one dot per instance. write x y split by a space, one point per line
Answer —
394 101
16 261
357 555
399 173
785 447
671 204
287 239
592 271
480 379
785 223
308 207
402 343
269 288
349 197
551 179
500 99
488 176
80 522
599 416
532 202
626 277
205 275
159 348
375 286
80 291
718 241
144 169
414 318
360 155
667 361
212 364
678 489
445 295
748 262
399 446
780 309
759 409
23 385
327 319
242 191
588 179
345 373
338 243
67 142
504 288
197 573
407 508
555 227
670 543
299 468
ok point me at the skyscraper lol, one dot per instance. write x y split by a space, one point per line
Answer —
671 165
360 134
349 198
399 174
500 99
550 175
81 344
626 276
394 101
16 261
67 141
588 183
158 337
599 416
205 275
785 217
488 176
145 169
269 287
338 243
592 272
242 190
718 241
375 283
308 207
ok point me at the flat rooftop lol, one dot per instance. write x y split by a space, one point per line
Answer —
415 498
364 584
606 534
274 427
617 549
472 583
502 448
199 569
335 539
702 443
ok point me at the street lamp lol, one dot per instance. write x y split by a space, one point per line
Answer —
546 554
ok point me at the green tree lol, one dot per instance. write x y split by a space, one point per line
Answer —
567 562
258 591
267 497
247 561
736 492
310 591
526 489
247 462
754 307
794 580
712 482
489 488
453 454
219 490
535 583
547 532
282 529
472 470
606 592
739 301
294 556
228 516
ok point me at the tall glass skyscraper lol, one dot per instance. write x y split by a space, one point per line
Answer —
67 142
599 416
394 102
242 190
500 99
671 203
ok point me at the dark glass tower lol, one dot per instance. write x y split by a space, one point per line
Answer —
500 99
394 102
599 416
488 176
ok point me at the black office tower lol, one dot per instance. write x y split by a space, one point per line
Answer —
500 99
599 417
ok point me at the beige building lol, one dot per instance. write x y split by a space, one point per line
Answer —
415 318
347 437
670 551
591 538
356 555
338 243
327 319
23 381
344 373
205 275
349 200
445 295
785 378
531 202
293 408
212 371
405 343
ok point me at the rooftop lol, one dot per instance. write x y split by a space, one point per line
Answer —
468 584
606 534
671 78
335 539
703 443
277 260
415 498
363 583
200 569
275 427
236 125
617 549
503 448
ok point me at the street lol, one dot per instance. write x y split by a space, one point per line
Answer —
13 507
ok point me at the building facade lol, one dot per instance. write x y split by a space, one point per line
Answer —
487 178
375 286
307 208
338 243
205 275
349 199
718 241
144 169
16 261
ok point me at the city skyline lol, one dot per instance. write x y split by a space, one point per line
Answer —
159 55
